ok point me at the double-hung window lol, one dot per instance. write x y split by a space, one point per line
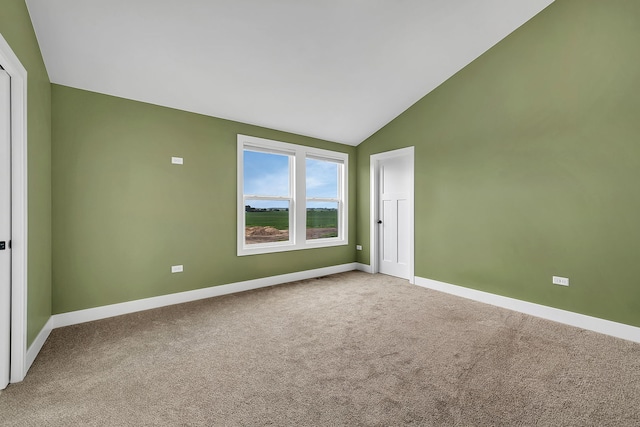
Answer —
289 196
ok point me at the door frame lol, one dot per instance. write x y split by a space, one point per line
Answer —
374 209
18 74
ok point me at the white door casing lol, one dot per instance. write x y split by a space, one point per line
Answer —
5 227
10 62
392 213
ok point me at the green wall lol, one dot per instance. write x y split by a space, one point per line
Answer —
123 214
528 164
16 28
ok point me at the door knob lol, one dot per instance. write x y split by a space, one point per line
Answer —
379 221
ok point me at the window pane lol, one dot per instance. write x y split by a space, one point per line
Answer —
322 178
266 174
266 221
290 197
322 220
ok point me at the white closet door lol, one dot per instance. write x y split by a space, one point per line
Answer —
394 216
5 227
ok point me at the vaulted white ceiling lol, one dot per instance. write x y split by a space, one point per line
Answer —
332 69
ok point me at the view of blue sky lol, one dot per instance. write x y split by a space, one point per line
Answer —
267 174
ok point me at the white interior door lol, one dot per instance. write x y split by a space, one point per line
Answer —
395 188
5 228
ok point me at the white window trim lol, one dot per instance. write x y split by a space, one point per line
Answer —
298 239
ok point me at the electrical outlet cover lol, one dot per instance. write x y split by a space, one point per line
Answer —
562 281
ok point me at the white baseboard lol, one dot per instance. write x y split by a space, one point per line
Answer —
607 327
103 312
37 344
363 267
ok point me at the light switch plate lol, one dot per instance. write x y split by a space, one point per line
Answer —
177 160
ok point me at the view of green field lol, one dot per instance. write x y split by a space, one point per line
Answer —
280 219
322 218
276 219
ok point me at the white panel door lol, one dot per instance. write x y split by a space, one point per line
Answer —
394 216
5 228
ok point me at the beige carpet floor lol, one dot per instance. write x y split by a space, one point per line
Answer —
350 349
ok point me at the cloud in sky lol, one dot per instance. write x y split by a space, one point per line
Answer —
266 174
322 178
